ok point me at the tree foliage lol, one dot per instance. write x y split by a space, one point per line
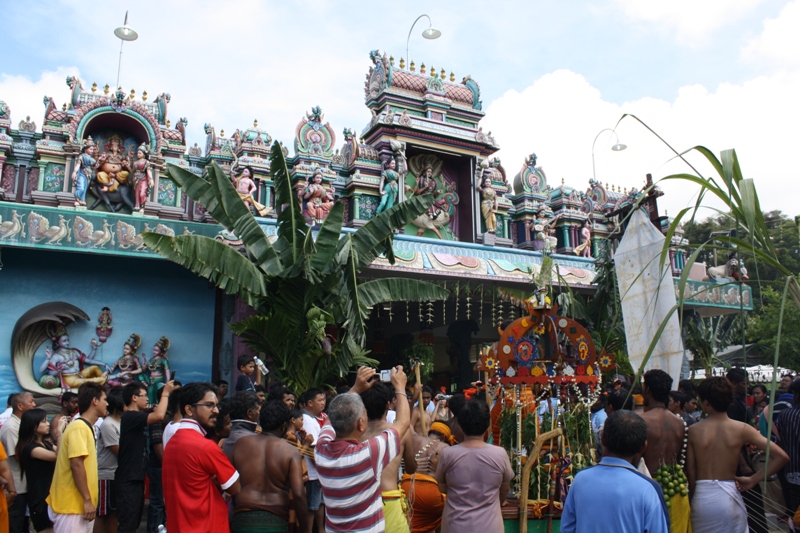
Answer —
304 285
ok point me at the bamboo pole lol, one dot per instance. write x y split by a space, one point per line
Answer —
422 418
533 459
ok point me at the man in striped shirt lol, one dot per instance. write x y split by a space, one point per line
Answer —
789 428
350 470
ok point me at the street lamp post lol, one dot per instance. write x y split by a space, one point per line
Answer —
124 33
430 34
616 148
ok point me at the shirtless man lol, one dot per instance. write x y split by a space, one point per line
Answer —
421 488
665 435
377 400
713 455
270 467
69 407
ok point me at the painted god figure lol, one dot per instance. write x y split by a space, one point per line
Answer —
82 174
543 226
127 368
113 166
245 186
388 187
437 215
584 249
488 205
67 366
142 177
158 371
318 201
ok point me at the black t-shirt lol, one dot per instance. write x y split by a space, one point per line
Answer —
39 474
244 383
132 456
154 437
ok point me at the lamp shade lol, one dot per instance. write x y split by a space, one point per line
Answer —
619 147
431 33
126 33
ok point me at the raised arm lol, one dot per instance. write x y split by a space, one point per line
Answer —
403 420
161 409
778 458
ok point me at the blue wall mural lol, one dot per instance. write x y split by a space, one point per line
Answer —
148 297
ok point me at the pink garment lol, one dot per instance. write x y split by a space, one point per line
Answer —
473 477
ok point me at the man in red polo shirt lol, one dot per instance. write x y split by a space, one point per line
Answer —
195 471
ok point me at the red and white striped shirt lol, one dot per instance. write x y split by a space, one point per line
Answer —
350 474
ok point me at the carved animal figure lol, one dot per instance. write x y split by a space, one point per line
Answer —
181 127
84 233
10 228
732 269
127 237
161 229
39 229
114 200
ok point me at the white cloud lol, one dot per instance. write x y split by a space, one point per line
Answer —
780 41
24 96
690 19
559 116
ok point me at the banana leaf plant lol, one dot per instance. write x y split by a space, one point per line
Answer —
302 284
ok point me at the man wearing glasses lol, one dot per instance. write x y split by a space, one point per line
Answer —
195 471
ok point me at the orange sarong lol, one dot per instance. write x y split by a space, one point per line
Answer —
425 502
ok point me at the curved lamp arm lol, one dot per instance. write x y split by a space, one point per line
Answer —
408 39
594 174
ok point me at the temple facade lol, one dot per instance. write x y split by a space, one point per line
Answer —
77 192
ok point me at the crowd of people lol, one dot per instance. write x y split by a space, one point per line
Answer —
382 456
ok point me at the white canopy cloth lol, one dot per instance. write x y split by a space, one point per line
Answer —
648 296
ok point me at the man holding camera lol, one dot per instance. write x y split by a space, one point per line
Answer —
349 469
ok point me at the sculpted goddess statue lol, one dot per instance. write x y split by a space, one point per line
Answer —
158 371
245 186
82 174
142 177
488 205
585 247
127 368
69 365
318 200
388 187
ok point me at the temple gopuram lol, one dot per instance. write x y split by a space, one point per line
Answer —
78 189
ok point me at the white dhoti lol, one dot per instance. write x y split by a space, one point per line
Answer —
718 505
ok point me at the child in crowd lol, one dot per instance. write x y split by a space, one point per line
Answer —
249 378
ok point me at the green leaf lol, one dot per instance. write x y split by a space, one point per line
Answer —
375 237
291 225
244 224
202 191
398 289
328 239
217 262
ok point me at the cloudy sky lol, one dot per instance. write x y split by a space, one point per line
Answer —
721 73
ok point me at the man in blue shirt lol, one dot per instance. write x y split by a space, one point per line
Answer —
613 496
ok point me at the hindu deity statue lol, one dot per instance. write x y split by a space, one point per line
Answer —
544 228
158 371
82 174
113 166
245 186
388 187
68 366
438 214
318 201
585 247
127 368
488 205
142 177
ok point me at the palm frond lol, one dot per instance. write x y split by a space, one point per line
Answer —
292 226
399 289
217 262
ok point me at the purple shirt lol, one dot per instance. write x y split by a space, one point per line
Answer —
473 477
